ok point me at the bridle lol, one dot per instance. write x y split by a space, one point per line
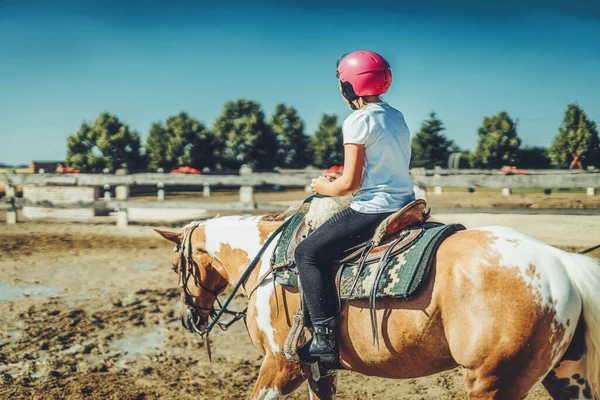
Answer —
187 268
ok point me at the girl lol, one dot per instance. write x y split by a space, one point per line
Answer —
376 159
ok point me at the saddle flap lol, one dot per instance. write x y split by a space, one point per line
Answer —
398 241
298 235
414 213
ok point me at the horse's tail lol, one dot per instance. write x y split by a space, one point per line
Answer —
585 274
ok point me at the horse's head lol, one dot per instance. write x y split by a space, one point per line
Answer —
201 276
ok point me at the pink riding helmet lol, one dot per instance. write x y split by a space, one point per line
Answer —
363 73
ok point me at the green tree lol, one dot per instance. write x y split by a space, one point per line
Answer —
82 152
244 136
577 140
430 147
156 148
183 140
107 143
189 142
327 144
534 157
498 143
293 143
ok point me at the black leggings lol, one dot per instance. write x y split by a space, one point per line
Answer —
316 256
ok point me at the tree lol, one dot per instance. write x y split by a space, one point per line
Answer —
244 136
293 143
107 143
430 147
182 141
327 144
156 148
577 140
534 157
498 143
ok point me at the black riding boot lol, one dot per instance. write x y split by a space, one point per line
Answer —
323 345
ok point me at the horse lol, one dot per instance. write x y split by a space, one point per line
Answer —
509 309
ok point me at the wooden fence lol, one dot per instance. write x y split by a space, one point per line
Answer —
246 181
542 179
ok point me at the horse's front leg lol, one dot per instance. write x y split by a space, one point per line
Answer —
277 378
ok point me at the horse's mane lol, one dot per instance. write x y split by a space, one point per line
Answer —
269 217
317 212
191 225
284 215
291 210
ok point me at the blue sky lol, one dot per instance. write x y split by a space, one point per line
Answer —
63 62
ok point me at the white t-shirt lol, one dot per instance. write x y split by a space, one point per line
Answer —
386 184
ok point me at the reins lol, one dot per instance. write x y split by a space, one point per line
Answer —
589 250
244 276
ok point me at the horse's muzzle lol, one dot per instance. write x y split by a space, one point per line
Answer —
191 321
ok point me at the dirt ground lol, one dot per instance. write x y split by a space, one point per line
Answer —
89 312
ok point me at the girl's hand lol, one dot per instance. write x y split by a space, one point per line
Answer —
318 184
347 182
332 176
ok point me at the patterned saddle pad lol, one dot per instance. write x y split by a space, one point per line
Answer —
397 268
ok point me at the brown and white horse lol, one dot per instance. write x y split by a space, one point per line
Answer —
499 303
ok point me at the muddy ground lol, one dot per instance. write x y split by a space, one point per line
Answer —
89 312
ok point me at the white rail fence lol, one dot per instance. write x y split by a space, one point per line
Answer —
88 192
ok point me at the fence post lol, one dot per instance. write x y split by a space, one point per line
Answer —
437 190
206 190
161 191
122 218
107 192
122 192
246 169
591 191
420 192
247 194
11 213
10 191
246 191
10 194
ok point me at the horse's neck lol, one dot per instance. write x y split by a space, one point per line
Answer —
236 241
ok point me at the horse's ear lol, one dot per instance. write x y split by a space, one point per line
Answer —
171 236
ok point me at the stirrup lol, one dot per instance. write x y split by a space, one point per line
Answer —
323 370
290 345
